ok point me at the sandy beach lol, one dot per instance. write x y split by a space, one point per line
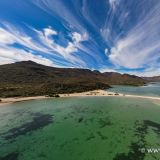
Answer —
106 93
19 99
91 93
82 94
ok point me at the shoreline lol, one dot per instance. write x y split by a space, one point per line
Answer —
19 99
97 93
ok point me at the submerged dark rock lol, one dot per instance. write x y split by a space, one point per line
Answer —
80 119
104 122
134 154
90 137
11 156
155 125
103 137
137 150
39 121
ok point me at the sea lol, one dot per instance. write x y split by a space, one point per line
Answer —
81 128
150 89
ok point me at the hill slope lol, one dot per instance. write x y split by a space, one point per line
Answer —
114 78
28 78
152 79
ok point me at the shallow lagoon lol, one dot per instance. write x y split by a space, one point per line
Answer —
82 128
151 89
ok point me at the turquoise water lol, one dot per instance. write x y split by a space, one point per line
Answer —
152 89
84 128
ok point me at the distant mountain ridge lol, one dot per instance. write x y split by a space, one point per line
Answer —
152 79
114 78
28 78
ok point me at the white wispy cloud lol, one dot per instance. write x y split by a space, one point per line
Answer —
148 72
67 51
106 51
74 20
57 8
6 37
76 37
108 31
49 32
107 70
114 3
10 35
87 15
130 35
140 47
10 55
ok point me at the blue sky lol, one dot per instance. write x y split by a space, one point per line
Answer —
106 35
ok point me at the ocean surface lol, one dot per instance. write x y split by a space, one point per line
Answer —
80 128
151 89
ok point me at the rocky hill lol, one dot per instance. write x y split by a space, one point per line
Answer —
28 78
